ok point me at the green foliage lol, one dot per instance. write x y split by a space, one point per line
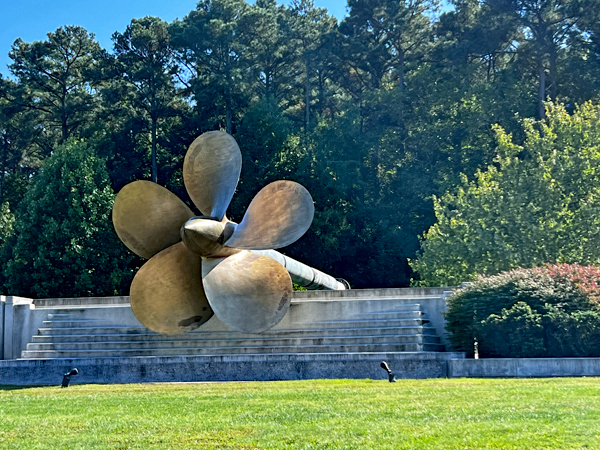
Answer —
536 204
211 43
376 116
516 333
7 222
146 69
539 312
55 79
64 241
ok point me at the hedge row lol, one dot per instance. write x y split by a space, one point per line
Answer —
551 311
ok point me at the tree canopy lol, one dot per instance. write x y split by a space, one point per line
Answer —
64 243
537 203
392 119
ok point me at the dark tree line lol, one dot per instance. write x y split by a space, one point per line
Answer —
374 115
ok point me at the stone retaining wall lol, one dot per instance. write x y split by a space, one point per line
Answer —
287 367
224 368
524 367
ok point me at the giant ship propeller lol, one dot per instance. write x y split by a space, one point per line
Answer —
200 265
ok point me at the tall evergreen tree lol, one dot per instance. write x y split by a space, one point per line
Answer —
146 70
310 26
65 244
54 79
546 25
210 43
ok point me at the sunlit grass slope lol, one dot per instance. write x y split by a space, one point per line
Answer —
313 414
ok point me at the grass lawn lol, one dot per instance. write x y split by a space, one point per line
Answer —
315 414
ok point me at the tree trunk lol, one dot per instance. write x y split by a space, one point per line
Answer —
63 117
541 91
228 112
321 92
361 112
154 167
400 69
267 83
64 131
2 170
307 87
553 82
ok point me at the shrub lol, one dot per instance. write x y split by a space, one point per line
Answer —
517 331
586 277
539 312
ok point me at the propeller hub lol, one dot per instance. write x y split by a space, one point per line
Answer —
203 235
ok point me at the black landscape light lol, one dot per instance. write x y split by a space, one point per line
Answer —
67 377
391 375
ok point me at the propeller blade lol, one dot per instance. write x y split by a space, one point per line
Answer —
211 170
248 292
167 294
278 215
147 217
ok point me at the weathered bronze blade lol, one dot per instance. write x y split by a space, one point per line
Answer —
147 217
211 170
248 292
278 215
167 295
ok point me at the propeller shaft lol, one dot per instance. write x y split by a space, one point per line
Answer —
303 275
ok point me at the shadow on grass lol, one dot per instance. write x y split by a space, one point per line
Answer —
14 387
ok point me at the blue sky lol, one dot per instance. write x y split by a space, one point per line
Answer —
32 19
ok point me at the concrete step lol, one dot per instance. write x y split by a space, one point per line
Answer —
398 295
58 331
203 335
397 306
391 315
413 294
66 320
333 324
211 343
364 323
384 348
74 323
382 327
68 314
80 302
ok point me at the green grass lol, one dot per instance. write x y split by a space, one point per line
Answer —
316 414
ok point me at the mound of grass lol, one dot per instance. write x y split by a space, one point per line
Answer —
313 414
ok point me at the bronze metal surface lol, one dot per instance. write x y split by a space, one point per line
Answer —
278 215
205 237
248 292
211 170
167 295
147 217
181 285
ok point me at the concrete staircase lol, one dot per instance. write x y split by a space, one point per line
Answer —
325 334
397 325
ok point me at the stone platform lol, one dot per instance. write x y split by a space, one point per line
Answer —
225 368
326 334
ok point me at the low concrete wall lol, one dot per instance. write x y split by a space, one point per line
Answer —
224 368
524 367
19 319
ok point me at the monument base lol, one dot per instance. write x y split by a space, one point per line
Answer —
326 334
226 368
